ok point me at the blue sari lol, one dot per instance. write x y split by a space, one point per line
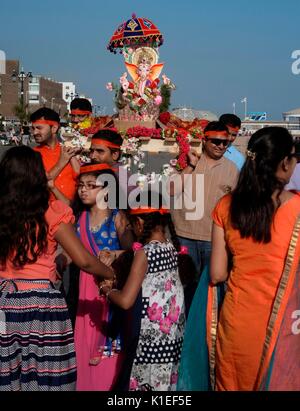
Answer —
195 370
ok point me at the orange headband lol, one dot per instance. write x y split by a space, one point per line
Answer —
214 133
99 141
90 168
49 122
232 128
147 210
80 112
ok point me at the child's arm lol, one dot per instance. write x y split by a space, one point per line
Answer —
67 238
108 257
75 165
125 234
126 297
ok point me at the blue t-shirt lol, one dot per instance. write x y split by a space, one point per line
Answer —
234 155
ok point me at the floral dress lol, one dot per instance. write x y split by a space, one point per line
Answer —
156 361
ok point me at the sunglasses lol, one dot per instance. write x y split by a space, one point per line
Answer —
218 141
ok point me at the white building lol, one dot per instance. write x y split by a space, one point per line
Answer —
69 92
292 116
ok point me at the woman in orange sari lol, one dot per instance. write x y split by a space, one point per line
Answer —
256 228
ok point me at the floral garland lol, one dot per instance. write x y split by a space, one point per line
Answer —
181 136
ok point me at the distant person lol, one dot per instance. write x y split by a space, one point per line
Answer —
61 166
81 109
13 137
25 133
233 123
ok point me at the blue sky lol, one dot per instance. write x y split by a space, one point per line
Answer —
216 51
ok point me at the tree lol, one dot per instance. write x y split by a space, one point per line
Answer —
21 112
165 92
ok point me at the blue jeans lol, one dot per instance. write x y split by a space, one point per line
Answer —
199 251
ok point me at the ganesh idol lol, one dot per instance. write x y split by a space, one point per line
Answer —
142 95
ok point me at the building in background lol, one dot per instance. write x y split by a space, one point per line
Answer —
292 117
9 91
68 92
45 92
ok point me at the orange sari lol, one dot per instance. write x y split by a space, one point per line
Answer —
255 342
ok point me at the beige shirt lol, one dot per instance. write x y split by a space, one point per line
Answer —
218 179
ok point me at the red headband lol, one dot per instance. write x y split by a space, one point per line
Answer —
99 141
232 128
80 112
49 122
214 133
90 168
147 210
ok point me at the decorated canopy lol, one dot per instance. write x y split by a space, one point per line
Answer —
135 32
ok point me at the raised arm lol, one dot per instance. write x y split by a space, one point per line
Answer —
67 238
66 154
177 187
219 256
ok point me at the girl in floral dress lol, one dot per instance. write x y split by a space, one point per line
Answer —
154 274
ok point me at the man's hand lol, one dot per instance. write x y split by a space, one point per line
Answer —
193 157
67 153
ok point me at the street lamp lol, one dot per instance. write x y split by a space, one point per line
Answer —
71 95
245 101
22 76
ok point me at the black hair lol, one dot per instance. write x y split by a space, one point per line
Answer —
110 135
77 205
215 126
230 120
155 219
46 114
24 200
252 207
81 104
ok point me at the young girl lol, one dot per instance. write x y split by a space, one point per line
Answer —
99 228
154 275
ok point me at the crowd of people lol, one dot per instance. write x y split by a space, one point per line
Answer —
98 297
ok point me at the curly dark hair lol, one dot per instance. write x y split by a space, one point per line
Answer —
24 200
252 206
